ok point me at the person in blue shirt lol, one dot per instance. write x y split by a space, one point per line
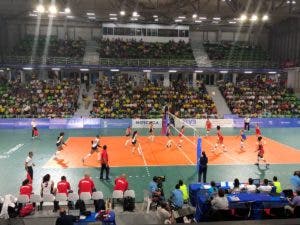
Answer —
177 197
213 190
154 191
295 180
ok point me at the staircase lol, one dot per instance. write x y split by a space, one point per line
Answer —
85 105
218 99
91 56
199 52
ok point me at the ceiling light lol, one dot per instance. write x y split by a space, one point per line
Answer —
198 21
32 14
288 2
70 17
156 20
113 14
155 16
92 17
181 17
243 18
198 71
232 22
202 17
40 8
194 16
224 71
90 14
147 71
254 18
55 69
265 18
1 71
216 18
67 10
133 19
114 70
172 71
294 2
52 9
122 13
178 21
135 14
248 72
84 69
27 68
215 22
113 18
272 72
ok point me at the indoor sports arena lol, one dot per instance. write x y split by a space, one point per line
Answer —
149 112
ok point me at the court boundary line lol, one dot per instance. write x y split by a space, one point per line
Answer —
144 159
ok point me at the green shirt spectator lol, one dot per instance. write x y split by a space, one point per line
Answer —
184 190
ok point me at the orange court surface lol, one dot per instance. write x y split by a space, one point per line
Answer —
157 154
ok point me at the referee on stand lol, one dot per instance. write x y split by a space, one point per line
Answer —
29 164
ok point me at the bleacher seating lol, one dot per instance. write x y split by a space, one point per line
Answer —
39 99
121 98
56 48
258 97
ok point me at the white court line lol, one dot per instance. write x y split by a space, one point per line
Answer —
145 162
185 155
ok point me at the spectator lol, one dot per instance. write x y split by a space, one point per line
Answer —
277 184
213 190
165 213
236 186
265 187
202 167
104 163
293 203
64 219
86 184
154 191
26 188
177 197
220 202
63 186
184 190
121 183
250 187
295 181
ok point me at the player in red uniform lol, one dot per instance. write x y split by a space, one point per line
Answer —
261 151
180 135
26 188
207 126
220 139
257 130
63 186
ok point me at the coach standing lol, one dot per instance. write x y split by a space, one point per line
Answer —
202 167
104 163
29 164
247 123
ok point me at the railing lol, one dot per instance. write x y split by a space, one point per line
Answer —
110 62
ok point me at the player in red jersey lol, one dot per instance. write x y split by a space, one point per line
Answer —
180 135
257 130
261 151
220 139
208 126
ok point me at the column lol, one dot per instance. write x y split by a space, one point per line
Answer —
148 76
167 80
9 75
194 79
293 80
234 76
22 75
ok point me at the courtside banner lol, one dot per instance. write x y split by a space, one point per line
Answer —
269 122
200 123
115 123
92 123
23 123
144 123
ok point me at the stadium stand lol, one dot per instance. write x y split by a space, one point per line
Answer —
260 98
39 99
123 99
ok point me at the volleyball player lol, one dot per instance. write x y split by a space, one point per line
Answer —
94 148
134 142
261 152
257 130
60 142
243 138
34 130
180 135
207 126
151 131
220 140
127 134
168 134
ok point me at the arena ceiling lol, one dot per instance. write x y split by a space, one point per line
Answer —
157 11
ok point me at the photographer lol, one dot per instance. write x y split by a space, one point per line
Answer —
155 192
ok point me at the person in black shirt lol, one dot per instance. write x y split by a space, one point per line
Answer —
64 219
202 167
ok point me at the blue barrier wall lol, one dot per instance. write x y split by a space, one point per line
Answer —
98 123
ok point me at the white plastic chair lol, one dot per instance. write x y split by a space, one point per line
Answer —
73 197
117 194
129 193
97 195
23 199
62 199
36 199
86 197
48 199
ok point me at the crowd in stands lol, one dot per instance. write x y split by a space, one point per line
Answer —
56 47
133 49
241 51
41 99
260 97
122 98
